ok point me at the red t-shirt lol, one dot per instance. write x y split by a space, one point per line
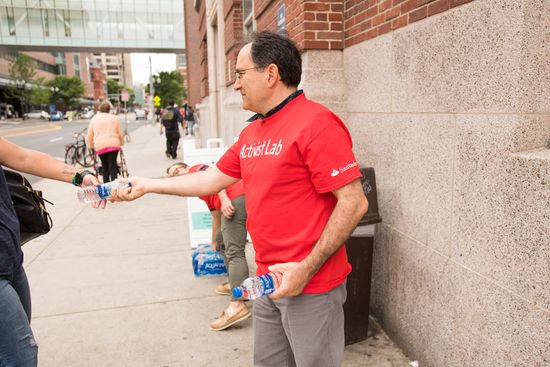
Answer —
213 201
290 162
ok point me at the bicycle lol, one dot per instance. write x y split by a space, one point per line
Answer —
77 152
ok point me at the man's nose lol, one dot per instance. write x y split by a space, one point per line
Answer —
237 84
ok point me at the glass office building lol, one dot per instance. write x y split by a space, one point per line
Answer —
125 25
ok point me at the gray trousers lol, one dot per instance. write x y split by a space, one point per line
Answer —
232 241
303 331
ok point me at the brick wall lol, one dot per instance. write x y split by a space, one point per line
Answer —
366 19
312 24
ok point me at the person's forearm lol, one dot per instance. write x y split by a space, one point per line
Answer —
223 195
339 227
43 165
200 183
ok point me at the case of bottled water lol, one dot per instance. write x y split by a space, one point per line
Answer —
207 262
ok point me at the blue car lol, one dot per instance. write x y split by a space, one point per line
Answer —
57 116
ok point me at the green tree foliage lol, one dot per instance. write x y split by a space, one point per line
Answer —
113 90
22 71
41 94
169 87
66 91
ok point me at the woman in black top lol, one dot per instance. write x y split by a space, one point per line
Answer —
17 344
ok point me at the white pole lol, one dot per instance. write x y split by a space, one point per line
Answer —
151 92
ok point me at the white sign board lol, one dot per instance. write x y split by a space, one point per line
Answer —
124 95
199 218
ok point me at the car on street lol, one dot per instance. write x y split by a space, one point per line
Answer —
7 111
140 114
36 114
87 114
57 116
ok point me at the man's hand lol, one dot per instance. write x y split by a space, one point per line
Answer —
228 210
137 189
91 180
295 278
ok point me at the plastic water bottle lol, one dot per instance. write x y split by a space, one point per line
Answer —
261 285
92 194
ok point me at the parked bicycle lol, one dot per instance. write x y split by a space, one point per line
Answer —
77 152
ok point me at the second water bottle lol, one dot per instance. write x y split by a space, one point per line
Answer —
261 285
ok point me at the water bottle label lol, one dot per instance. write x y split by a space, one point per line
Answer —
103 191
268 283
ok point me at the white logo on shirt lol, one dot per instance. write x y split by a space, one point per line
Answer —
267 147
335 173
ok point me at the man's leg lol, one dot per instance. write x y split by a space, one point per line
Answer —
234 238
167 144
17 344
314 325
271 346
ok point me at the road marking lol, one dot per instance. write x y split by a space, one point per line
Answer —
55 139
60 159
29 130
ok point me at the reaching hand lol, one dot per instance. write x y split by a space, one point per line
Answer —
138 188
295 278
228 210
91 180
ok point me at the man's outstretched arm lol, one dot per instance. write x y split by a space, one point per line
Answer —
210 181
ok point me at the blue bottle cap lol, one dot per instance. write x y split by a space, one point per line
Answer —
237 292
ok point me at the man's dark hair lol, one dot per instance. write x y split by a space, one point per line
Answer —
274 48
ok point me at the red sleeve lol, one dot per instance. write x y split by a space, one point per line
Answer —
328 154
230 163
212 202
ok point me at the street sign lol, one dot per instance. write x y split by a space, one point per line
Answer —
124 95
157 101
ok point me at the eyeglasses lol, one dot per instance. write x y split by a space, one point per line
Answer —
239 73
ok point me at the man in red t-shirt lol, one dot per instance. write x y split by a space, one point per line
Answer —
304 198
229 237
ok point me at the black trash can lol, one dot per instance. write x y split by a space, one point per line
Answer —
359 249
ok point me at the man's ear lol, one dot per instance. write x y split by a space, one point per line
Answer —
272 74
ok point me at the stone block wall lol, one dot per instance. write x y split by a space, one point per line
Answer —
453 113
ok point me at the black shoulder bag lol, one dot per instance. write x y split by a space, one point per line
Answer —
34 219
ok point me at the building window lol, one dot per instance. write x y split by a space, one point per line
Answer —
45 22
67 22
181 62
76 62
248 17
11 20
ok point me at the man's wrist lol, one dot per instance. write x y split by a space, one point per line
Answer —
79 177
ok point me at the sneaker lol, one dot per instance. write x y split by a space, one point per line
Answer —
225 321
224 289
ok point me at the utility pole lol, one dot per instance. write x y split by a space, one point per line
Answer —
151 92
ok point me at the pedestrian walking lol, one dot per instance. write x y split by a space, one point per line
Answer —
105 136
303 198
169 124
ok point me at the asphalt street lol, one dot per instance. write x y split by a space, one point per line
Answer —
51 137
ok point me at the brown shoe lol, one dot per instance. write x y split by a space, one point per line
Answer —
224 289
225 321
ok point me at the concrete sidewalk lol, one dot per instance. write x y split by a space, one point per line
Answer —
115 287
